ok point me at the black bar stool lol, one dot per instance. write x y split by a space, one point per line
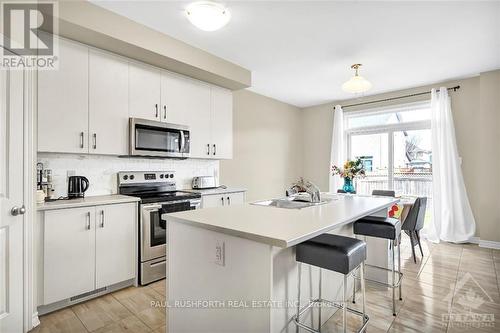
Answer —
336 253
387 228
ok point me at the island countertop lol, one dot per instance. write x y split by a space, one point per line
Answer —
283 227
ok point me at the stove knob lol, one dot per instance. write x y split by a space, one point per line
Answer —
125 177
132 177
161 176
171 175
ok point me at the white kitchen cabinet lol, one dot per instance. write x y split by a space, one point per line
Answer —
222 199
115 243
108 104
88 248
63 102
222 123
144 92
188 103
69 253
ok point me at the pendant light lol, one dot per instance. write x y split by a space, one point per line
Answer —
207 15
357 84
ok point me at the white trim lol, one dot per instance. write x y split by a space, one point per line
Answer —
489 244
30 319
474 240
389 109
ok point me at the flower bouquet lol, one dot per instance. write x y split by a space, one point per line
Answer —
350 170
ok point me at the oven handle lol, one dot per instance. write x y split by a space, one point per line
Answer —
151 207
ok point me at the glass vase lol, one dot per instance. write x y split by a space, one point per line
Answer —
348 186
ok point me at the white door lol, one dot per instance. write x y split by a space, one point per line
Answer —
222 123
188 103
144 92
216 200
108 104
11 201
237 198
63 102
115 243
68 253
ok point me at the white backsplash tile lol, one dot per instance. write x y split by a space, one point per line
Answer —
101 170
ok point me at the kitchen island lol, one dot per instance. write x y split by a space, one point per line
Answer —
233 268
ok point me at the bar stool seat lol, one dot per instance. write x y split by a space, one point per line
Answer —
380 227
336 253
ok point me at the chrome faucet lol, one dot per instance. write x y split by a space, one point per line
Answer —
306 186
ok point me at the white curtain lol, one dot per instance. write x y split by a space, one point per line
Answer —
337 156
453 220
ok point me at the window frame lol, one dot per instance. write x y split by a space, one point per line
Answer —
389 129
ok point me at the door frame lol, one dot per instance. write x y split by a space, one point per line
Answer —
30 315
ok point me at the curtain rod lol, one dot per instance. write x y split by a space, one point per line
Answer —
455 88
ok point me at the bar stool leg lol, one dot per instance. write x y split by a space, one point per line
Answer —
344 308
319 297
363 286
393 281
399 268
354 288
299 270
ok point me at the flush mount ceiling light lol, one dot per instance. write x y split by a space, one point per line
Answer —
207 15
357 84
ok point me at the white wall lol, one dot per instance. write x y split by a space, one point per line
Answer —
102 170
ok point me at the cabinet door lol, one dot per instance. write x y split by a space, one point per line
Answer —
222 123
188 103
214 200
115 243
108 104
237 198
144 92
69 253
63 102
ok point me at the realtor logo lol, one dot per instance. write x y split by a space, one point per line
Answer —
28 34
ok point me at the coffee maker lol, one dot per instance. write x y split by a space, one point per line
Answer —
77 185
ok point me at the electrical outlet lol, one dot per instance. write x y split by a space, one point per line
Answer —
70 173
220 253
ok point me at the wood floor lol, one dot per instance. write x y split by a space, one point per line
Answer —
455 288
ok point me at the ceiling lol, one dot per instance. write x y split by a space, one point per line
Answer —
300 52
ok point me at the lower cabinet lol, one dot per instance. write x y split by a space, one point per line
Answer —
219 200
87 248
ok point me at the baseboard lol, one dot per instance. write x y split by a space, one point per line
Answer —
34 320
474 240
489 244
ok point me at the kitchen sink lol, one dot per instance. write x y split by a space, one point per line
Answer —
290 203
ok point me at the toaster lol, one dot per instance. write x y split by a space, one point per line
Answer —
204 182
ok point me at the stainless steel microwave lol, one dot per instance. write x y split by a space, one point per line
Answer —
156 139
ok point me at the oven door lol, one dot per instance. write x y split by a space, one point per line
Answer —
154 138
154 229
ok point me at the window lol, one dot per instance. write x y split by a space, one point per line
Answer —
394 144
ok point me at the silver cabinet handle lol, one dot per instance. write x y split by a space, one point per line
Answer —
81 139
102 218
222 199
18 211
228 201
208 149
88 220
215 149
95 141
156 108
164 112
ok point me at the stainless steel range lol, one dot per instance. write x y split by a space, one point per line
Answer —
158 193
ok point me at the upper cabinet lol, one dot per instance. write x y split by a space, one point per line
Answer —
85 105
108 104
63 102
188 103
144 92
222 123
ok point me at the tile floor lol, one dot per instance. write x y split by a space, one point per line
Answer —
454 288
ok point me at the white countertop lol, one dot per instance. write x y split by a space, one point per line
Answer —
87 201
283 227
214 191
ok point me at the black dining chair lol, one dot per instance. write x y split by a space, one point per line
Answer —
414 222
